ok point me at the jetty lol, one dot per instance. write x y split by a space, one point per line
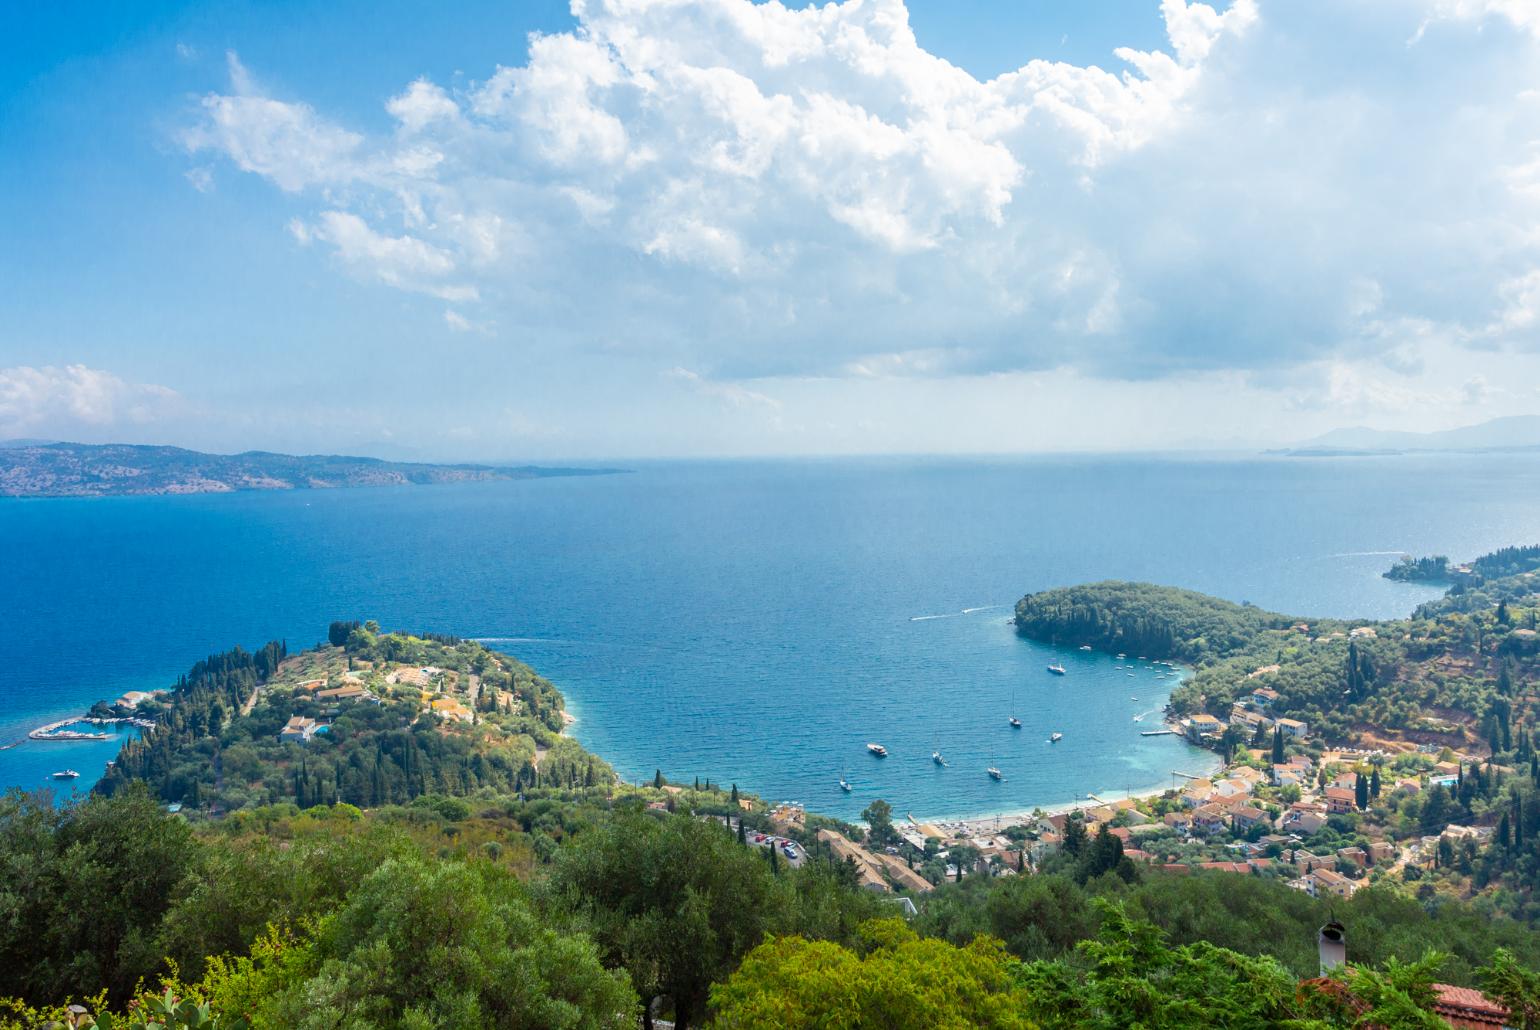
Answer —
1159 733
55 730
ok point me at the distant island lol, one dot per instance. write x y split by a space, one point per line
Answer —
1513 433
32 469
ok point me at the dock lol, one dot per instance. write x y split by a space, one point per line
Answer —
53 730
1159 733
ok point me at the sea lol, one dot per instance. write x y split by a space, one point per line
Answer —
750 622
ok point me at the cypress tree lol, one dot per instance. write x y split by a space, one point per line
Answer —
657 780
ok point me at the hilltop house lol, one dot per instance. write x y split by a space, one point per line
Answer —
298 729
1293 728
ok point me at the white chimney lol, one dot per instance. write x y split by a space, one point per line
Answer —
1331 942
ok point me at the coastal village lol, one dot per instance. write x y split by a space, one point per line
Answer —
1321 819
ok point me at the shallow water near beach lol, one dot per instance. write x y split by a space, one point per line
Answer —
750 622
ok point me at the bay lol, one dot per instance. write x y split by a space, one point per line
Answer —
751 622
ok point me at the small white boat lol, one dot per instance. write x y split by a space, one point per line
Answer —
995 774
1057 670
1120 654
1055 738
1015 722
1085 647
878 750
1132 698
66 774
845 786
935 756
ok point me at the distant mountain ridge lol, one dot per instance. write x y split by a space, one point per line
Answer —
29 469
1513 431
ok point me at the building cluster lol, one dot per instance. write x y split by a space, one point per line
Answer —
439 690
1251 713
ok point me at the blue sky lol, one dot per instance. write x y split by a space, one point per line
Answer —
705 227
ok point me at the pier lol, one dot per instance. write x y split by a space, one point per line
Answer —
1159 733
53 731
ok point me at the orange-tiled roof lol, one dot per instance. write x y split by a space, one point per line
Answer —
1470 1006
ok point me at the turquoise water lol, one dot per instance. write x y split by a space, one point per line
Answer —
751 622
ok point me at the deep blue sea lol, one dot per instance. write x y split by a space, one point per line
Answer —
751 622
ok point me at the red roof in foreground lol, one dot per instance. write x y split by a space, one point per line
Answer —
1465 1007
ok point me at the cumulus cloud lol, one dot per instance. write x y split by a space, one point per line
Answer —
57 399
752 190
403 261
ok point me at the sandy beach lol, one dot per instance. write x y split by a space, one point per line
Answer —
975 825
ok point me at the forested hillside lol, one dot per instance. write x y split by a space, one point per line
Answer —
395 716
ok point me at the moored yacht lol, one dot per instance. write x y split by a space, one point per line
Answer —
935 756
1055 738
1057 670
878 750
1015 722
66 774
995 774
844 785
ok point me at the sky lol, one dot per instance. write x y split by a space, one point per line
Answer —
615 228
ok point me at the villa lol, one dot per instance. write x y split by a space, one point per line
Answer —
298 729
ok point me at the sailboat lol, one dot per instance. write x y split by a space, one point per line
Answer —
935 756
995 774
1057 670
1015 722
1055 738
844 783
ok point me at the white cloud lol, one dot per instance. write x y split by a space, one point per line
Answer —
422 105
57 399
287 143
753 190
406 262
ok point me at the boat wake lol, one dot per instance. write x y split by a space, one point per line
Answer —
518 640
955 615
